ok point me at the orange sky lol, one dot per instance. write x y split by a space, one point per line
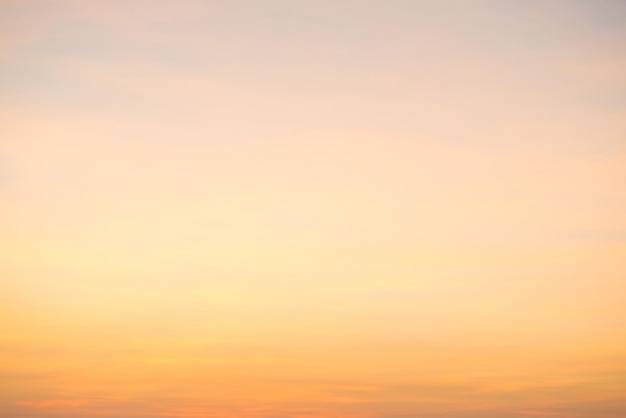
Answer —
312 209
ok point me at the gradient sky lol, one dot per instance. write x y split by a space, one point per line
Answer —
313 208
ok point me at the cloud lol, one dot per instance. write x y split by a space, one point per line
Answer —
55 403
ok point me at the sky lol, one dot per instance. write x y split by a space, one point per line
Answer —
312 209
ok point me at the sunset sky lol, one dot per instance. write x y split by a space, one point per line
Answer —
312 209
